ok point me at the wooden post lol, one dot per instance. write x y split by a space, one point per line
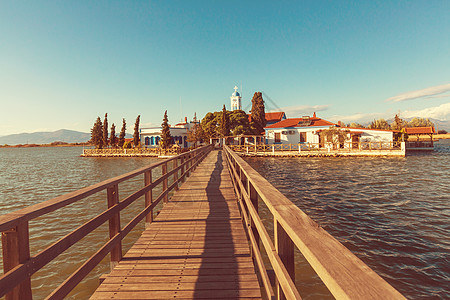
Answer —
175 175
114 224
16 250
285 249
182 167
188 156
165 182
254 199
148 198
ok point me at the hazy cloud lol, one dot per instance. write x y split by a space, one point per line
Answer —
303 110
148 125
424 93
358 117
441 112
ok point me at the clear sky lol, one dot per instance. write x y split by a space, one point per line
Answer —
63 63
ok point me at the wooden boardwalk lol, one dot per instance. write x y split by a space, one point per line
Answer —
195 248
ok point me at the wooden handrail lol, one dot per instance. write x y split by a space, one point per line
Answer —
346 147
19 266
345 275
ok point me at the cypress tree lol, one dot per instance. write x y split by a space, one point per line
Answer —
258 114
136 131
113 137
166 138
224 123
97 134
105 130
122 134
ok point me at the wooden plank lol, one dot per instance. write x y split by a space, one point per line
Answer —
202 294
125 285
177 286
150 279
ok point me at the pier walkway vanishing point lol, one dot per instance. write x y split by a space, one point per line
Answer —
207 242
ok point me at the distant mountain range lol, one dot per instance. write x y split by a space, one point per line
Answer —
441 125
62 135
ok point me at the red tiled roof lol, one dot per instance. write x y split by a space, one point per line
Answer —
294 122
274 116
420 130
270 116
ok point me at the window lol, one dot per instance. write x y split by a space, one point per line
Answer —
302 137
277 137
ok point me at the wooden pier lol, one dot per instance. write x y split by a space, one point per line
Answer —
208 242
195 249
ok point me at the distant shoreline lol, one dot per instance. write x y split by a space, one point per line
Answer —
54 144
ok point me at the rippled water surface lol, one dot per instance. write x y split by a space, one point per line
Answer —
33 175
393 213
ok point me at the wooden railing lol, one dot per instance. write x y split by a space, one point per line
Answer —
131 151
420 144
344 147
19 265
351 146
346 276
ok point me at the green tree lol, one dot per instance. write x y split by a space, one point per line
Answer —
113 137
398 123
105 130
166 138
136 138
380 124
239 123
420 122
122 134
335 136
127 145
258 115
224 125
97 134
355 125
209 125
195 134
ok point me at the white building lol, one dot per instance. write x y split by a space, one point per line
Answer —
150 137
236 100
307 130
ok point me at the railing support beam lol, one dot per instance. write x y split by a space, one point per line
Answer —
165 182
16 250
175 176
114 225
148 198
254 200
285 249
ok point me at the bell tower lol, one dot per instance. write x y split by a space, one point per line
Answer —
236 100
